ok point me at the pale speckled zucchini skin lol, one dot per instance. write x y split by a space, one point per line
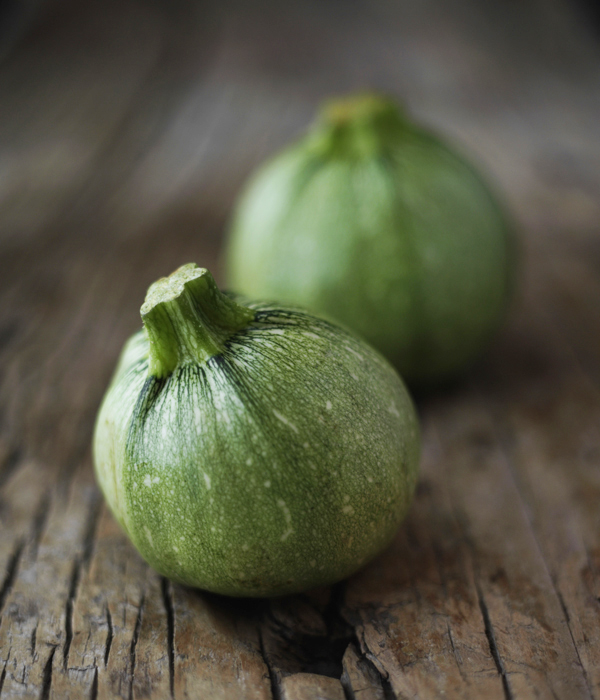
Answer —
284 463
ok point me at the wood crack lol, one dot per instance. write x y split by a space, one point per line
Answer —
168 603
273 676
371 660
3 676
73 585
34 641
386 686
94 688
339 622
455 653
489 633
80 563
47 676
568 619
109 636
11 572
347 689
133 648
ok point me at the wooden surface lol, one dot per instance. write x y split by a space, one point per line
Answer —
126 129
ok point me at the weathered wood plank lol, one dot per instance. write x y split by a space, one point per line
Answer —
154 653
548 419
416 608
305 636
216 649
308 686
360 680
34 627
105 609
22 504
123 144
523 615
561 506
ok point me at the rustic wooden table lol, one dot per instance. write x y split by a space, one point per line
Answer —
126 129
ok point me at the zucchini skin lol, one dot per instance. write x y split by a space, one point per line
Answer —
380 225
283 463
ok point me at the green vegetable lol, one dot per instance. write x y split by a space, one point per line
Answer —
250 449
376 223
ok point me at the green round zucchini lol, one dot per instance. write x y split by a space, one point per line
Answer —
251 449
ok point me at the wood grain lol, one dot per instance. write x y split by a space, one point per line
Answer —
126 131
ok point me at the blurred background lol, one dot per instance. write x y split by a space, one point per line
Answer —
123 115
127 128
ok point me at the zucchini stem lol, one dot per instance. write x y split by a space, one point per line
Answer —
188 319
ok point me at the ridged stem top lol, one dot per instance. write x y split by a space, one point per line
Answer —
188 319
359 126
